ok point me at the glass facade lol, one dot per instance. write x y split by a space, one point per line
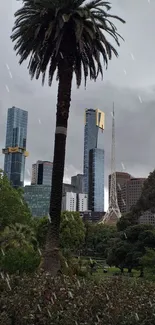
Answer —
42 173
47 173
90 142
16 136
96 180
38 199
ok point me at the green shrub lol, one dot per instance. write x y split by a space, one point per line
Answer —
19 260
42 300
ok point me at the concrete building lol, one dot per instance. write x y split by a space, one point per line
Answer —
147 218
92 216
42 173
68 188
96 180
82 202
72 201
78 182
15 146
69 202
131 192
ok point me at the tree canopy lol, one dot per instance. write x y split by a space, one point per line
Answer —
97 238
44 29
147 198
72 231
13 208
127 250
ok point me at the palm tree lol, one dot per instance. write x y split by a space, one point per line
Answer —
66 37
18 236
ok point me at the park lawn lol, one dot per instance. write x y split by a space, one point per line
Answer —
99 274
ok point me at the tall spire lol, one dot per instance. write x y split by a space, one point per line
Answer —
113 214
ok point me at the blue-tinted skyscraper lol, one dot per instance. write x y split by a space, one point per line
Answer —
15 145
94 120
96 180
90 142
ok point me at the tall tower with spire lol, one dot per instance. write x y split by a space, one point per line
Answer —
113 214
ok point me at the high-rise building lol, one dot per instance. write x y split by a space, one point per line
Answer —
69 201
38 199
121 179
131 192
96 180
94 119
82 202
78 182
42 173
15 146
72 201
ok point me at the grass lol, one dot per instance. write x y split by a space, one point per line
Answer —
99 274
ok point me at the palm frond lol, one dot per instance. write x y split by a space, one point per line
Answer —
46 32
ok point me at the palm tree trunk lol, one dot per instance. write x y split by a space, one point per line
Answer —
51 256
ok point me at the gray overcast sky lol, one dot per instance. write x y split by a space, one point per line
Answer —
129 82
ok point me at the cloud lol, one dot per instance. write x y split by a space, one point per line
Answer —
126 81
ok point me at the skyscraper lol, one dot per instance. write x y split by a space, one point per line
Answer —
94 119
96 180
15 146
131 192
93 160
42 173
78 182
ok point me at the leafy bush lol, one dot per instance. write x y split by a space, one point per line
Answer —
19 260
13 208
42 300
72 231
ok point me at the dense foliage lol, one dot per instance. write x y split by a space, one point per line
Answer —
72 231
97 238
37 298
13 208
127 250
147 199
43 300
22 238
17 260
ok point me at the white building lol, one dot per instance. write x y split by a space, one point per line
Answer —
82 202
69 201
75 202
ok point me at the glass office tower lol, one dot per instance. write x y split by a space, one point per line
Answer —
94 120
90 142
42 173
96 180
15 146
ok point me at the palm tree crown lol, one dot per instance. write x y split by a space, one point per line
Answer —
49 31
18 235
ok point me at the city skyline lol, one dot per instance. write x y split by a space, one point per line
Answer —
129 82
41 171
